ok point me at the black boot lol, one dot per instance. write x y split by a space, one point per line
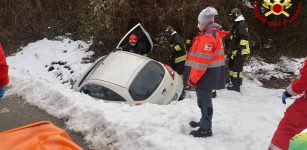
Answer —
201 133
194 124
234 88
214 95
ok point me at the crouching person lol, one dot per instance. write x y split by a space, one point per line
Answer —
4 79
295 118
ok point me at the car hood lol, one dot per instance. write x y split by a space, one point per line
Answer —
119 68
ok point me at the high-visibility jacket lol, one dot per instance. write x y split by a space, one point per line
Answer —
206 59
239 39
4 79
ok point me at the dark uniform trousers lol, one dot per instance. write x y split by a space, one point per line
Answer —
235 66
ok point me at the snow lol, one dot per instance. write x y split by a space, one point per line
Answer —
241 121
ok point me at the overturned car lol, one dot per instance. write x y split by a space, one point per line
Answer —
131 78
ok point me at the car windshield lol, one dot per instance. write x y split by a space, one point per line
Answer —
147 81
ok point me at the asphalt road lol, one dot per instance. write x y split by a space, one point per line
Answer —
15 112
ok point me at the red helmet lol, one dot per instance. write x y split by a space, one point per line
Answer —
133 38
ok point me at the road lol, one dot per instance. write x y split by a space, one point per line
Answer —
15 112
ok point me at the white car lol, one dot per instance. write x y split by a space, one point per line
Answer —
130 78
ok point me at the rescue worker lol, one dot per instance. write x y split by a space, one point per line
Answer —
134 46
4 79
178 50
239 49
206 66
295 118
189 44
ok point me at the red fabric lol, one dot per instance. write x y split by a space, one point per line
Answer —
200 46
295 118
293 122
4 79
300 84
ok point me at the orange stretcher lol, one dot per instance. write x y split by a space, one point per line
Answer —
37 136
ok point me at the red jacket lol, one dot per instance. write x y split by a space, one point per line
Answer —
206 59
299 85
4 78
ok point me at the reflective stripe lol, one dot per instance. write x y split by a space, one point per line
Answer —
246 50
236 74
177 48
219 52
273 147
290 91
202 55
196 65
217 64
234 52
188 41
180 59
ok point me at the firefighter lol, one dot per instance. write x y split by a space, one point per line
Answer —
295 118
4 79
239 49
206 66
134 46
178 50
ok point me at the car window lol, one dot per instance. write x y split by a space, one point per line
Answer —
147 81
101 92
90 70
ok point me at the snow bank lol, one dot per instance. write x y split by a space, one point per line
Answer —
240 121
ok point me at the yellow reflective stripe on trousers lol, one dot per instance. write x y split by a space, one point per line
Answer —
245 43
196 65
180 59
177 48
235 74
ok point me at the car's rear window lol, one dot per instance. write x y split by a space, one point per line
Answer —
101 92
147 81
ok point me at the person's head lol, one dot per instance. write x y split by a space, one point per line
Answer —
206 16
235 13
133 39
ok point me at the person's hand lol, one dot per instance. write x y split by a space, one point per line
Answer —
2 91
284 96
191 84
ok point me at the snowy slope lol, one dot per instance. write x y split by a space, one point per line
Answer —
240 122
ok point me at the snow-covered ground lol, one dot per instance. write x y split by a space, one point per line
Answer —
240 122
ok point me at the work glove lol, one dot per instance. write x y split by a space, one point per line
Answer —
2 91
284 96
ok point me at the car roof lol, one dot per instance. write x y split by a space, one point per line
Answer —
119 68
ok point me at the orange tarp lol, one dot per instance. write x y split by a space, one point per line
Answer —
37 136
